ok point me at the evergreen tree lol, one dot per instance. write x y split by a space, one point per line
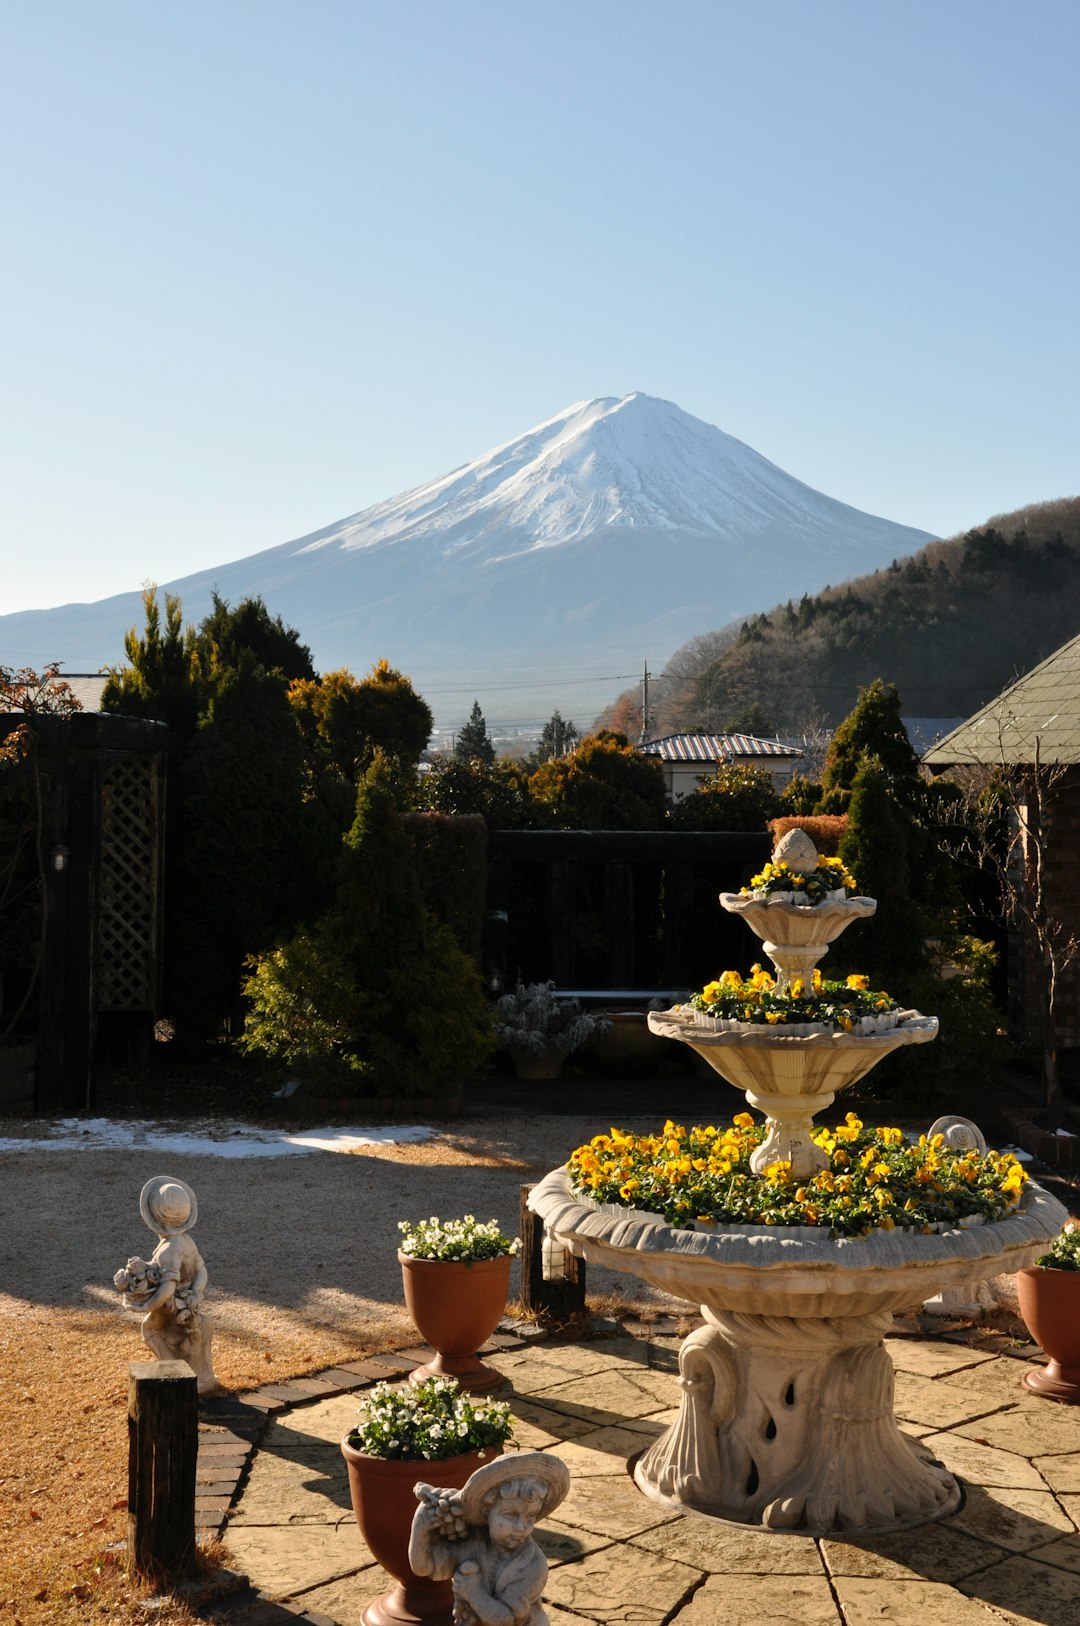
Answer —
240 840
735 797
345 722
379 994
556 739
473 742
752 719
225 634
603 785
498 792
164 677
873 728
877 849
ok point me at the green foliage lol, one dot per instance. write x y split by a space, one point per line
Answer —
950 626
379 994
800 796
164 677
872 728
602 785
498 793
452 867
957 1070
735 797
875 848
1064 1251
242 846
225 635
345 722
473 741
556 738
752 719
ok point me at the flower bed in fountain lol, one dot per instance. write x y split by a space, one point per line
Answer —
737 1004
829 881
700 1178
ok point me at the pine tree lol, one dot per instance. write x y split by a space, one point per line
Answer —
473 741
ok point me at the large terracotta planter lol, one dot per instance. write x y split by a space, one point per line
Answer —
384 1503
1050 1304
456 1307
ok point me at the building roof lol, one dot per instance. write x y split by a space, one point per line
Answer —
1038 715
86 687
714 747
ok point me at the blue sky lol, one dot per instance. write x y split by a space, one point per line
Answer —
268 263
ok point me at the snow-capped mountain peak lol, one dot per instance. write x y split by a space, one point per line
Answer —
626 461
615 530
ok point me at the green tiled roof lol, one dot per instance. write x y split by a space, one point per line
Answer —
1040 711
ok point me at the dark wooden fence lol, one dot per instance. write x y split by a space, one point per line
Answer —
616 909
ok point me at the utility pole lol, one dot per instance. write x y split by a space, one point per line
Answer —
644 703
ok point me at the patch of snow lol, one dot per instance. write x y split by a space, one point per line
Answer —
212 1139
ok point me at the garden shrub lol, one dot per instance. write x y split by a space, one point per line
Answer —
378 997
452 867
826 830
735 797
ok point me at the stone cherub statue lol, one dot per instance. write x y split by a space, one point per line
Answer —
481 1538
169 1287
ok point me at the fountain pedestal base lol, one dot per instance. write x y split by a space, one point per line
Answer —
787 1423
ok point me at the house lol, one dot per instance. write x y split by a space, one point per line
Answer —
688 758
1032 730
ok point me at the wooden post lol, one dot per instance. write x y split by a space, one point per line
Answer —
552 1301
163 1440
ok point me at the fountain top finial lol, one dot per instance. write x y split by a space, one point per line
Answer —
798 851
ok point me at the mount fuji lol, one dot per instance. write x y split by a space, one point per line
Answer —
541 574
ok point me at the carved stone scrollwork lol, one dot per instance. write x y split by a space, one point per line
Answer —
760 1394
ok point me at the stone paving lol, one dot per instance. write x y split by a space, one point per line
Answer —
1012 1551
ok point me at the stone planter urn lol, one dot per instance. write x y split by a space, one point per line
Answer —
1050 1305
384 1502
456 1305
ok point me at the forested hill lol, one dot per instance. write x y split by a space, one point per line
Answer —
950 625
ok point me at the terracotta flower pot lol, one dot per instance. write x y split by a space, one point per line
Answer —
456 1307
384 1503
1050 1304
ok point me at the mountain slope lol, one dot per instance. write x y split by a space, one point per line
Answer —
606 534
950 626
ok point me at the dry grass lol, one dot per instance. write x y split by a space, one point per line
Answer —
63 1420
321 1288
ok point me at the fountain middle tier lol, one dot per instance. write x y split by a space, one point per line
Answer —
791 1077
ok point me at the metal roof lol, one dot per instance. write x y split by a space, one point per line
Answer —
1039 715
714 747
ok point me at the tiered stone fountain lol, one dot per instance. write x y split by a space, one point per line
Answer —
786 1420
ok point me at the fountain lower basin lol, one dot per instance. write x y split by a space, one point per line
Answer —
786 1421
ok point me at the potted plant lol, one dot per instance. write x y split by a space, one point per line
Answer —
430 1432
540 1030
1049 1294
456 1275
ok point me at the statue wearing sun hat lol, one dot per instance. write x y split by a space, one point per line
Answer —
170 1286
481 1538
